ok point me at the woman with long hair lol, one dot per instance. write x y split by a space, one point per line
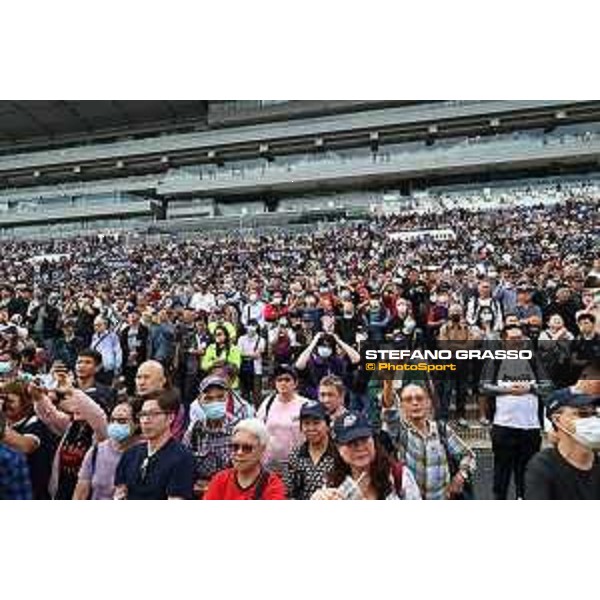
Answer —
362 469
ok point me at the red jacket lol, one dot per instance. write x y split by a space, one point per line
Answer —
274 312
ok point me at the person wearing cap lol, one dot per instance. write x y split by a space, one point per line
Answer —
209 438
443 465
281 414
362 469
570 469
247 479
311 462
235 406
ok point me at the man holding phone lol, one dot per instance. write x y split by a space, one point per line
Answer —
78 419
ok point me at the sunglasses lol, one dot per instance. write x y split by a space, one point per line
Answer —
243 448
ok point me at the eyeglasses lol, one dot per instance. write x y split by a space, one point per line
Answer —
243 448
120 420
151 414
284 380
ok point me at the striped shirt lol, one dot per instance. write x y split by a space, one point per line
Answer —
425 455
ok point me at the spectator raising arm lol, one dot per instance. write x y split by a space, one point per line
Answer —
75 401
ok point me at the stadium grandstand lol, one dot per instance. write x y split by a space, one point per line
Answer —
188 265
68 167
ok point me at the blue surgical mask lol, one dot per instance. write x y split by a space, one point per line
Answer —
214 411
5 367
118 432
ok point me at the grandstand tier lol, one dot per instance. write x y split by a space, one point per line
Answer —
83 165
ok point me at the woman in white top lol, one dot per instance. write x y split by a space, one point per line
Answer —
517 386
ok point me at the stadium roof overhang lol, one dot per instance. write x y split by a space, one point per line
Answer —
38 123
157 154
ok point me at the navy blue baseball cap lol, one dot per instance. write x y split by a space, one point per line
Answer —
313 410
567 397
351 426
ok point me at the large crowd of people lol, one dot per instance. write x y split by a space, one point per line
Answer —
229 367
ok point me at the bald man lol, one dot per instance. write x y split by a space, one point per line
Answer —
150 379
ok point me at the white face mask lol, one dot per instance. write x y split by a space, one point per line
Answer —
324 351
587 432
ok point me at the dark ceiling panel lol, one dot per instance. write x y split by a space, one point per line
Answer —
39 120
